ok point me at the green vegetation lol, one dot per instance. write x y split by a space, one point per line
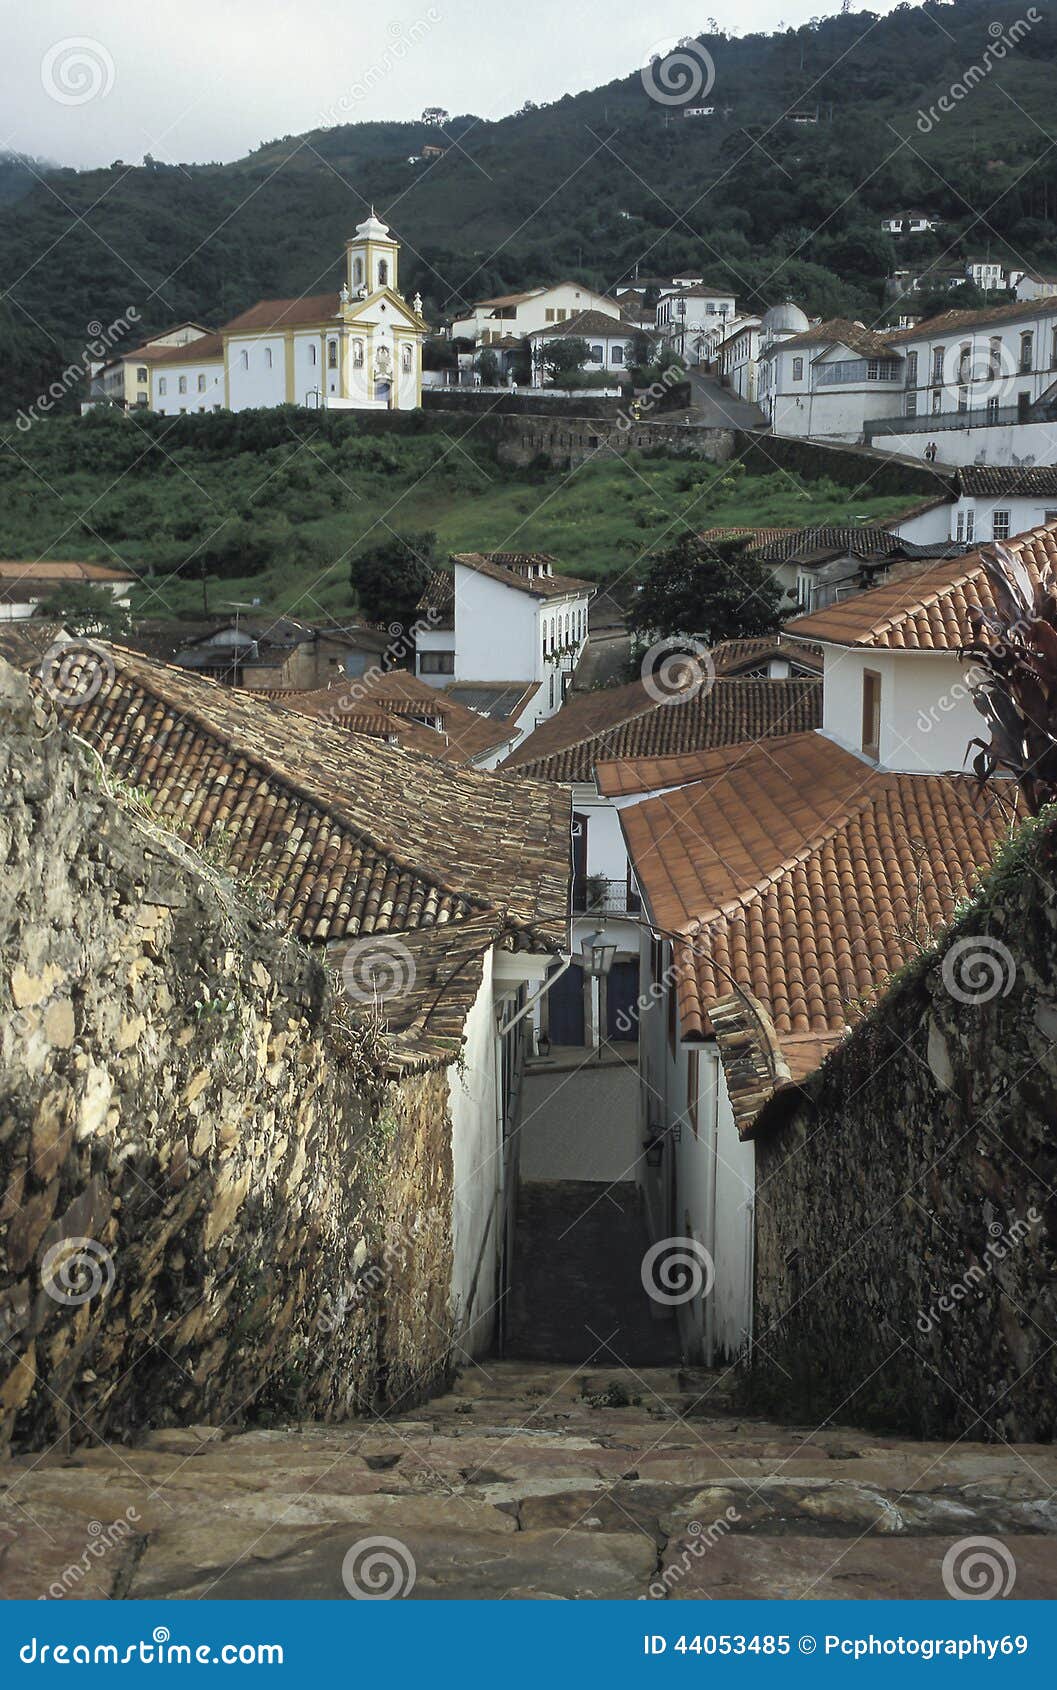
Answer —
766 205
711 588
275 504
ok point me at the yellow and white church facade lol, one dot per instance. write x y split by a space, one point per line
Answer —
358 349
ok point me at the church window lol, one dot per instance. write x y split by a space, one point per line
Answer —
407 358
332 354
383 272
798 369
162 385
182 384
313 356
201 384
141 374
357 271
357 354
267 357
244 359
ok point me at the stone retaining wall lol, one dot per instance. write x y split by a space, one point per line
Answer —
906 1231
212 1209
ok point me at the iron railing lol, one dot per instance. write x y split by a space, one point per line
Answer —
594 894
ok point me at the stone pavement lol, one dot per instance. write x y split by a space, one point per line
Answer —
533 1481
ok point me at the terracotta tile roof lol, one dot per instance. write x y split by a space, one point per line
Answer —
804 877
192 352
948 320
285 314
733 657
828 539
622 723
1022 481
583 323
927 610
628 776
396 704
61 569
524 570
757 536
437 603
839 331
347 836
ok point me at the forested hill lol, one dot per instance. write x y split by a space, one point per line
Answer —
590 186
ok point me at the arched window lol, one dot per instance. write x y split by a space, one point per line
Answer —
407 357
162 384
268 357
182 384
313 356
332 354
357 272
383 272
1027 350
357 354
244 360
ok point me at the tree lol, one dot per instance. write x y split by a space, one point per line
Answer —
713 590
564 357
86 609
488 368
390 577
1013 676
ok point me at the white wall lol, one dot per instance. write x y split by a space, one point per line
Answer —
927 715
1017 443
477 1173
260 383
171 402
495 628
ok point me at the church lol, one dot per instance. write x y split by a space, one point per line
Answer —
358 349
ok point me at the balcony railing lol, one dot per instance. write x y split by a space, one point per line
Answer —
593 894
930 422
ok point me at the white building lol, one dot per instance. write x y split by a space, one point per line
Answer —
125 380
988 274
609 344
826 381
357 349
490 320
910 223
26 586
504 617
1033 285
692 320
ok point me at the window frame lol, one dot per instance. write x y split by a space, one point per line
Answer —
871 714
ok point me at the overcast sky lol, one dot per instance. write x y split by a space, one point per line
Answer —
88 81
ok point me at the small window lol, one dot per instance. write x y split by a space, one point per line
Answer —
141 373
871 713
313 354
912 405
436 663
970 525
244 360
798 369
596 355
267 357
201 384
1000 525
332 354
937 363
912 369
383 272
182 384
960 530
549 315
162 385
1027 351
357 272
618 354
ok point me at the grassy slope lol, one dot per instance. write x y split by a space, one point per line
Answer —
107 491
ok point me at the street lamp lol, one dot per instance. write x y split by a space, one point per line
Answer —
597 955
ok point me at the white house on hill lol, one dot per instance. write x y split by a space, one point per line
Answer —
503 617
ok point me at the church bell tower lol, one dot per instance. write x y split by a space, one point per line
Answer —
371 258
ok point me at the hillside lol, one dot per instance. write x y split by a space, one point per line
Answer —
592 185
272 505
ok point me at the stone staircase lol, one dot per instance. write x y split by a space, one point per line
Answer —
577 1293
538 1482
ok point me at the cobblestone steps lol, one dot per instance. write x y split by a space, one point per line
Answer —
534 1481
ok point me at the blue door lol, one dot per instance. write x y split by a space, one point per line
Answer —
566 1001
622 1020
